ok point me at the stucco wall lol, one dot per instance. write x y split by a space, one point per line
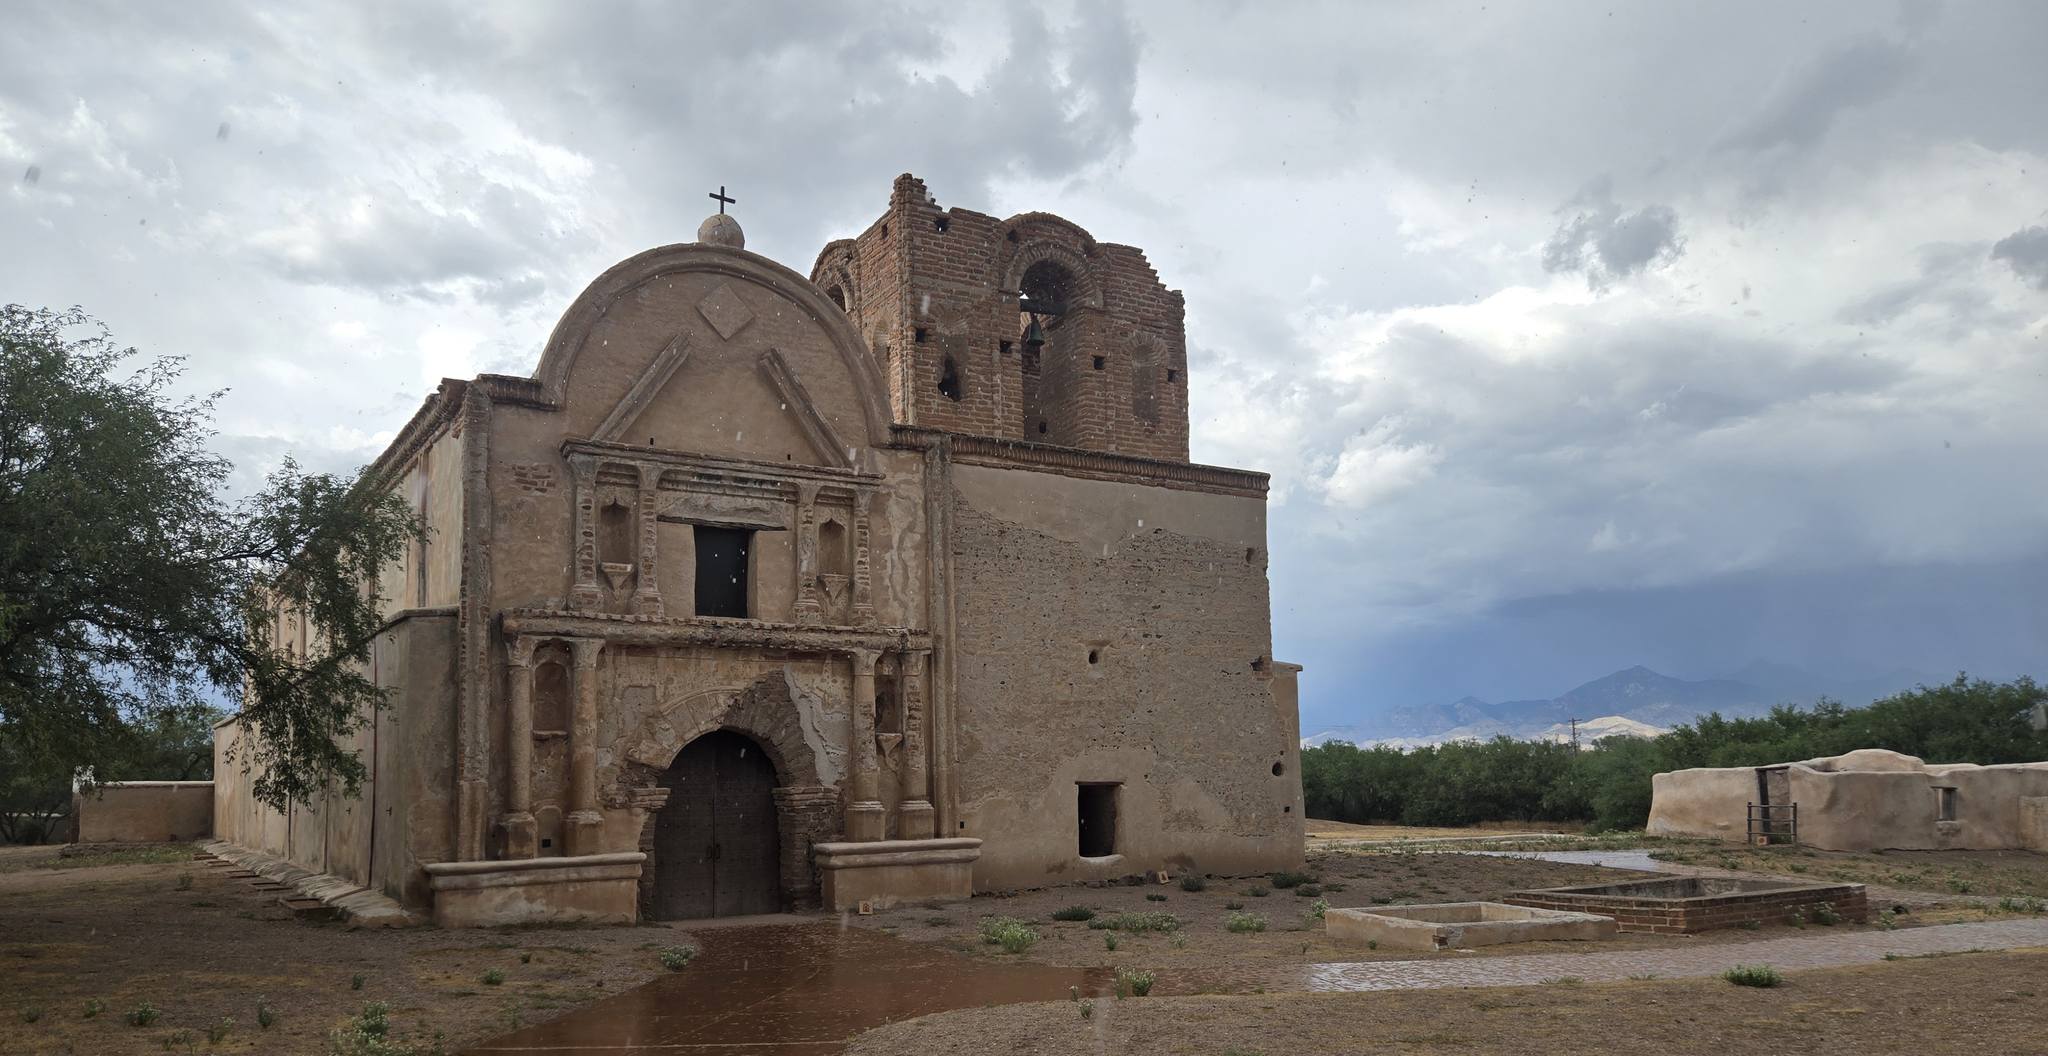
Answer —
1167 588
1863 801
401 818
144 812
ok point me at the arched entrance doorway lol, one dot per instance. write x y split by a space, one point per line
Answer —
715 846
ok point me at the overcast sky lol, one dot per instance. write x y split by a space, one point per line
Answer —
1575 336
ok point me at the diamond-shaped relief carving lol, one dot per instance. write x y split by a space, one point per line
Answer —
724 310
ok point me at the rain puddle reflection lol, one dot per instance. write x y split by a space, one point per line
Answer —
777 989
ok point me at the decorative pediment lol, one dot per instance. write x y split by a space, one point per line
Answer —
644 389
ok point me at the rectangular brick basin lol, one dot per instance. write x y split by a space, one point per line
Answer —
1685 904
1456 925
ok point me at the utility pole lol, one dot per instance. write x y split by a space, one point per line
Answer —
1575 733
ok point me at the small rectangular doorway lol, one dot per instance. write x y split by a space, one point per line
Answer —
1095 817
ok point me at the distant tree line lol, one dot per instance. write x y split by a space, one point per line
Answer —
1607 784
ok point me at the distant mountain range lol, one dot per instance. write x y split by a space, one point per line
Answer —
1635 702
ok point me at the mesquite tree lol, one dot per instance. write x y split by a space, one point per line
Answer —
133 589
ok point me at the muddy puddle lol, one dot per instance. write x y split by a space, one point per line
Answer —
780 989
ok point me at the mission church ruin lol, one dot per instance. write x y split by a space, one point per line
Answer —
766 593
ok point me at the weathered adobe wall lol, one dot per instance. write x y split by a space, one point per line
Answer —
1849 810
144 812
1168 588
402 817
936 284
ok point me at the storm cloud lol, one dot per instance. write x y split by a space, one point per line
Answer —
1695 350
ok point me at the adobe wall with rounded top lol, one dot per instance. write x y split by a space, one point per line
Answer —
1867 800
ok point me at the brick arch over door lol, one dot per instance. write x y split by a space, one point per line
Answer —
765 712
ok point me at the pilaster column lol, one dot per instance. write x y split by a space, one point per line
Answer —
865 816
647 591
807 608
584 821
914 817
520 834
863 599
587 594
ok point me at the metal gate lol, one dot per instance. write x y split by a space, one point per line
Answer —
715 846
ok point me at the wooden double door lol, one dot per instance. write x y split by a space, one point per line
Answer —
715 847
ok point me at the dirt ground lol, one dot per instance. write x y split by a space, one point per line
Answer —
1964 1004
1203 942
123 930
1989 874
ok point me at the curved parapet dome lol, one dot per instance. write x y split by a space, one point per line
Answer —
720 229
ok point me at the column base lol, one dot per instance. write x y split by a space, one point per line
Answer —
914 820
587 597
581 831
646 604
522 836
866 821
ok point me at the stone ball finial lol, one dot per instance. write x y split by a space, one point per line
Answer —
720 229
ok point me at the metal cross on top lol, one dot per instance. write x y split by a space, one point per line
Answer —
723 201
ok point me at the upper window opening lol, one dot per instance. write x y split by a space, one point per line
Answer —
1172 375
838 296
949 379
1048 288
722 571
941 223
1101 362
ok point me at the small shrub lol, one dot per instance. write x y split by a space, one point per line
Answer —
1753 975
1564 980
1750 925
266 1016
1372 944
1013 935
180 1038
1825 915
493 977
1155 897
1327 886
184 881
1179 940
1255 891
1242 923
142 1015
2009 904
1887 920
1133 983
1233 904
1308 890
1087 1008
526 958
1193 883
1286 880
1109 942
93 1008
1797 919
1317 908
1136 922
31 1013
676 958
1074 913
355 982
219 1031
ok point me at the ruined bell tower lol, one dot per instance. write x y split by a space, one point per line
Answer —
1024 328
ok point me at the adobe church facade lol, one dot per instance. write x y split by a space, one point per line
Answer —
768 592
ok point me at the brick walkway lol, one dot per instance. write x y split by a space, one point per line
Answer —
1803 951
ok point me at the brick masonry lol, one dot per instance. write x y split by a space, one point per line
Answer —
1684 916
934 293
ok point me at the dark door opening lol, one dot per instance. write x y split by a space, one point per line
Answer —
715 842
722 571
1096 815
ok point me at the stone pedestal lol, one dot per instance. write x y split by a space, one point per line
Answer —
883 873
915 820
866 821
522 836
592 889
582 832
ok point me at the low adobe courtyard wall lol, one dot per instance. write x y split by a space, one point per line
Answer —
1867 800
1684 905
144 812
